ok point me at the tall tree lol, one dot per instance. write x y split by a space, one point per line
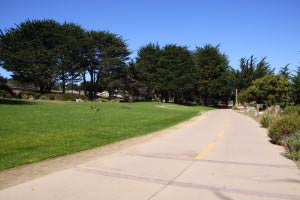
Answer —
251 70
211 70
295 87
285 72
29 52
104 54
175 74
147 64
69 50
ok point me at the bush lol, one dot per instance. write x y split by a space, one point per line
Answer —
62 97
292 110
28 95
5 88
73 97
5 94
284 126
267 119
293 146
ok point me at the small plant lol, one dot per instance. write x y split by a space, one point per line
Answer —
267 119
5 94
28 95
292 110
293 146
62 97
283 127
235 108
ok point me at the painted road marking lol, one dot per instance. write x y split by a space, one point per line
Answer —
208 147
205 151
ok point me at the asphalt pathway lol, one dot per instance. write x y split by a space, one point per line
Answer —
224 156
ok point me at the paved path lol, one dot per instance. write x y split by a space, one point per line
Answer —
224 156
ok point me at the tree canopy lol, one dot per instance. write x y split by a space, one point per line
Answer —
267 90
48 55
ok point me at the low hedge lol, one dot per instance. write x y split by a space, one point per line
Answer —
5 94
267 119
5 88
5 91
63 97
291 110
283 127
28 95
293 146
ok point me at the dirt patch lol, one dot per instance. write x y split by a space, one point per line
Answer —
21 174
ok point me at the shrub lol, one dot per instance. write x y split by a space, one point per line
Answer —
62 97
51 96
292 110
284 126
5 94
73 97
5 88
267 119
28 95
293 146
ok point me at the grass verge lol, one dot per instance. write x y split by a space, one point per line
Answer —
31 131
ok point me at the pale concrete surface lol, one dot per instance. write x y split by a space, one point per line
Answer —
234 161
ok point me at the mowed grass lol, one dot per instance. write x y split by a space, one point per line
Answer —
31 131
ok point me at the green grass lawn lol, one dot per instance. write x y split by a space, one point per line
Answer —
31 131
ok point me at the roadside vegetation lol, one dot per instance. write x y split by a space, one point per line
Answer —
31 131
284 129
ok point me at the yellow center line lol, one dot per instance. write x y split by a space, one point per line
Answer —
205 151
208 147
221 133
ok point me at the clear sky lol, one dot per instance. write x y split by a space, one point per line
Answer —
243 27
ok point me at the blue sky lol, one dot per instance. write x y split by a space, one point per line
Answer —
260 27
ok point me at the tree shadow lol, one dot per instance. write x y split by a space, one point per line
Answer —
289 180
222 196
15 102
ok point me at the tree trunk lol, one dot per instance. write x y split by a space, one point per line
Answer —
63 86
91 88
84 82
63 79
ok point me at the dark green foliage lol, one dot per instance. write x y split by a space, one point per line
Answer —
5 94
69 54
176 74
5 90
214 78
267 90
293 146
295 87
251 70
3 80
103 57
28 95
285 72
284 126
29 52
5 87
292 110
62 97
146 68
45 53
